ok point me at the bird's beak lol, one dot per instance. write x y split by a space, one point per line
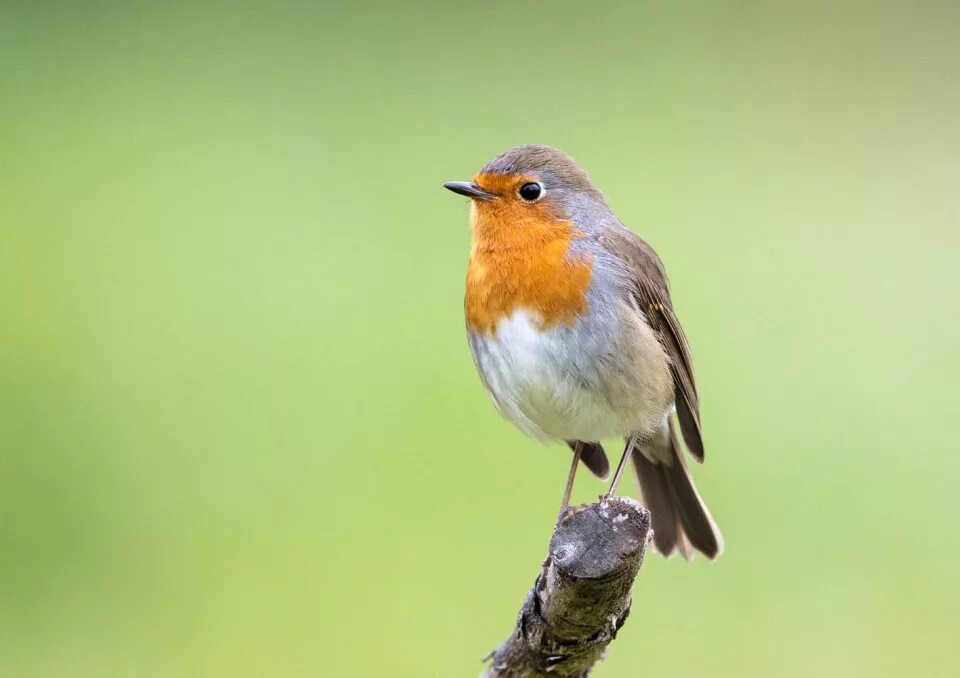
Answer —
469 189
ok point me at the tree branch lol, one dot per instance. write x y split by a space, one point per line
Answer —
582 595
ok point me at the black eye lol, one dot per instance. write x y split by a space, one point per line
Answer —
531 192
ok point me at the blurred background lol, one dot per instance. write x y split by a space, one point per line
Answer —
240 429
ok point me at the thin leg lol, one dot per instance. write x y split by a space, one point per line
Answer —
577 451
622 465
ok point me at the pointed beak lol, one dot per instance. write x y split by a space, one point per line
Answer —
468 189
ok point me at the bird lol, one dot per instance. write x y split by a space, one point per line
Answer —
574 335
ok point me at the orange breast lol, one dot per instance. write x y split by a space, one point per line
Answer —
520 260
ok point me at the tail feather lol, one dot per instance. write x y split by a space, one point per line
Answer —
594 458
681 521
656 495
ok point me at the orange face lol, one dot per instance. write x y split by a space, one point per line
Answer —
520 259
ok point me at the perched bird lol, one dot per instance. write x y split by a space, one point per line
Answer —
573 333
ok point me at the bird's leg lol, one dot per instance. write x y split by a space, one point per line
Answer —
623 463
577 451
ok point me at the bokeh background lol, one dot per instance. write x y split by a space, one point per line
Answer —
240 429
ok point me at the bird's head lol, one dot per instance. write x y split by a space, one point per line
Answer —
529 194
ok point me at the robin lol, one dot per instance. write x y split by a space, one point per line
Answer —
573 333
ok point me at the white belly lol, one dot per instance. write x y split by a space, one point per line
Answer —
552 387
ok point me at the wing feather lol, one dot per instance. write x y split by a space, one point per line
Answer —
652 294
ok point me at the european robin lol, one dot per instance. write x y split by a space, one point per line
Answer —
572 330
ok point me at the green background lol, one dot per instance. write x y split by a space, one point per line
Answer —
240 429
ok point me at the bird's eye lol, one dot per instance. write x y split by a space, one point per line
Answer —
531 192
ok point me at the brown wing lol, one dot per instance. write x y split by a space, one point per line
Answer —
652 294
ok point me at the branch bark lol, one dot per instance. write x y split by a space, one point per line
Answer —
582 595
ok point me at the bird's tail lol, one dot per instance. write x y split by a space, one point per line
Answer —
681 521
593 457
